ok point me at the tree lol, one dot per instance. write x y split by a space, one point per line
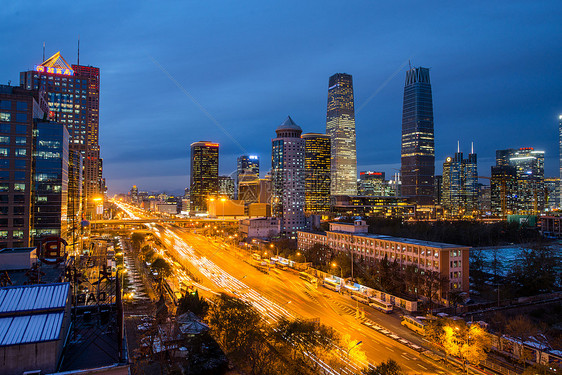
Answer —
521 328
233 322
138 239
470 343
305 338
192 302
161 267
534 271
390 367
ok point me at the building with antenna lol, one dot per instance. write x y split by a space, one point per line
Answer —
73 93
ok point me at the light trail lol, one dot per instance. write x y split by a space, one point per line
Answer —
271 311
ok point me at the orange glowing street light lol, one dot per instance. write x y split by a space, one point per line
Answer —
334 265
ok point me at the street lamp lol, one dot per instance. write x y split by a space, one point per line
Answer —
302 256
334 265
357 344
223 199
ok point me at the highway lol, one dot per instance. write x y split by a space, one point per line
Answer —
224 268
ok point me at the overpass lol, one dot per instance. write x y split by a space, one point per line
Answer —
164 220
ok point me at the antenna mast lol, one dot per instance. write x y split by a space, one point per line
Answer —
43 51
78 50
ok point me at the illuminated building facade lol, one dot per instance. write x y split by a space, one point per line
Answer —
373 184
459 193
560 157
204 176
287 172
418 149
503 190
73 94
226 187
18 108
317 172
247 176
50 181
529 164
450 261
340 126
528 197
552 186
75 185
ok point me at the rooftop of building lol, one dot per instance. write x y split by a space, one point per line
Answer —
289 124
408 241
32 313
17 250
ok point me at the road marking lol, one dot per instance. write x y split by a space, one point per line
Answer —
425 368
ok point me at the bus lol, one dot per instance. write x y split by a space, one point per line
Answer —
360 297
380 305
332 285
414 323
308 277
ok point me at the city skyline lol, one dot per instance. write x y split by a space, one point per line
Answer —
479 92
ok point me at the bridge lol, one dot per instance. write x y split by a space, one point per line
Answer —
164 220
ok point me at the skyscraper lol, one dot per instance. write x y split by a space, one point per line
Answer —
503 190
18 109
204 176
226 187
560 157
529 164
340 126
287 170
247 176
529 196
459 193
316 172
73 96
418 149
50 181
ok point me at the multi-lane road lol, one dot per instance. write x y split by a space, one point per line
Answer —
224 268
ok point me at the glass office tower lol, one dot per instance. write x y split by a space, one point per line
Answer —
418 148
204 174
340 126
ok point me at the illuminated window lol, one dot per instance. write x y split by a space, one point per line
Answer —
20 152
4 151
5 116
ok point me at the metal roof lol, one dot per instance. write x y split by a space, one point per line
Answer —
16 330
28 298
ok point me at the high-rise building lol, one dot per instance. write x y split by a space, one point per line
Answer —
552 186
50 181
560 157
287 171
529 164
75 184
459 193
73 96
418 149
248 167
134 194
503 190
372 184
247 176
316 172
204 174
18 108
226 187
340 126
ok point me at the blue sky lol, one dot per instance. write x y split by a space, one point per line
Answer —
176 72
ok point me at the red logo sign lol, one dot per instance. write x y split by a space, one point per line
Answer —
53 250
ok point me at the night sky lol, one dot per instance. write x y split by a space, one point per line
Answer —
173 73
